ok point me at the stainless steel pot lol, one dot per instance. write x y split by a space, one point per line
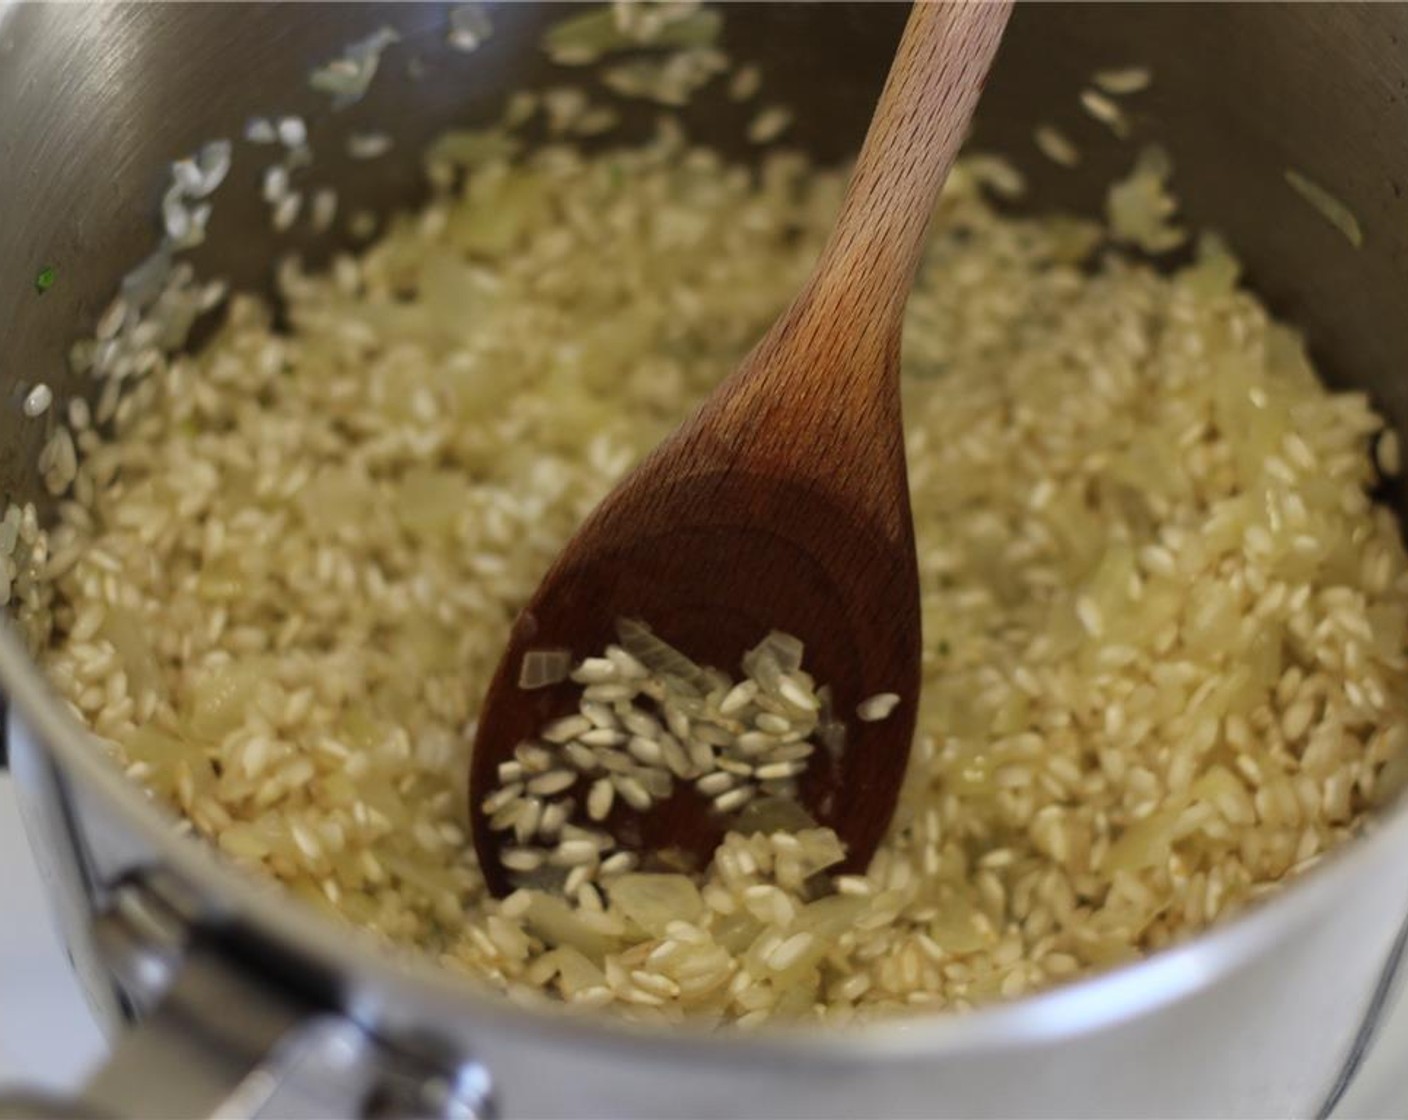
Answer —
250 1005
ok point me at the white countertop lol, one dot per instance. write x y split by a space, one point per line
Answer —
48 1038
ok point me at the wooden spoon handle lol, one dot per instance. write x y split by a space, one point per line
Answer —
919 124
818 398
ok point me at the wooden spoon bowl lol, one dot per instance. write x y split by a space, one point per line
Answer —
783 502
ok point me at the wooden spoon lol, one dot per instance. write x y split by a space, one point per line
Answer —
783 502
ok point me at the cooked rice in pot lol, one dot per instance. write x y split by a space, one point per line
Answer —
1164 622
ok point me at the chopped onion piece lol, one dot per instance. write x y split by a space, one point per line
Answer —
658 656
544 667
830 732
553 920
773 814
349 77
653 901
1140 207
786 650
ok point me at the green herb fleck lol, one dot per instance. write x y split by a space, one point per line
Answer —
45 280
944 647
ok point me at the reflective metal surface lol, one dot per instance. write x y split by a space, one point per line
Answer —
1253 1019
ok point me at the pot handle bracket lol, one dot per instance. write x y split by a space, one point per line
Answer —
214 1039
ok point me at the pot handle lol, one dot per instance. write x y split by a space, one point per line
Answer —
216 1039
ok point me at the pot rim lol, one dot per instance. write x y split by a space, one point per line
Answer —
388 982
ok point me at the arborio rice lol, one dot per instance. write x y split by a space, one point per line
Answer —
1164 622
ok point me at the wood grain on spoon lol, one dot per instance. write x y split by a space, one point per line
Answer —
783 502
